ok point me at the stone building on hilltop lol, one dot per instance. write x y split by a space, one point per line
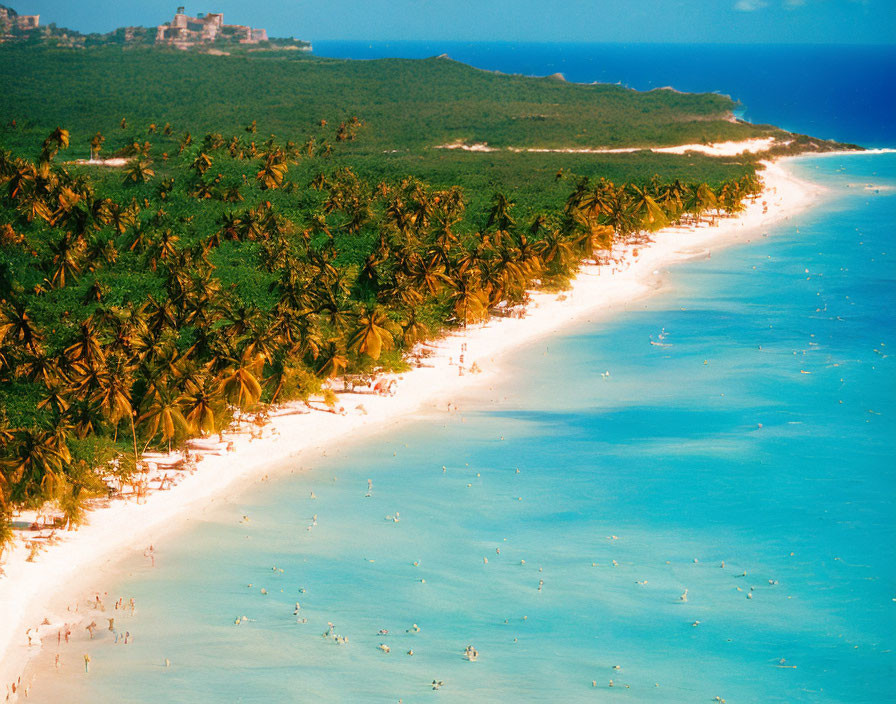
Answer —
185 31
12 22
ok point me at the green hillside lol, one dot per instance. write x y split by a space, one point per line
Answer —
405 104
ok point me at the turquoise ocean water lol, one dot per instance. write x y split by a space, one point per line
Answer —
632 488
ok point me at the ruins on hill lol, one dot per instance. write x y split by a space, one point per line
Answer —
184 31
11 22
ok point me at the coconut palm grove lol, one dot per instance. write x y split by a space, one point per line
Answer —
223 269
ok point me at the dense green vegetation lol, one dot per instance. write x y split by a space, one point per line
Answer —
405 104
143 305
223 270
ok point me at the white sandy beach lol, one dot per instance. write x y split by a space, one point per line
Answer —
28 590
747 146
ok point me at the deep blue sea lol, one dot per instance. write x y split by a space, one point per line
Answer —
748 464
847 93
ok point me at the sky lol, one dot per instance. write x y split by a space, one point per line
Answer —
627 21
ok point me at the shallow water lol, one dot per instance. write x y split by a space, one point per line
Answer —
710 446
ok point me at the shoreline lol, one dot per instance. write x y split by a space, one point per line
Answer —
30 589
728 148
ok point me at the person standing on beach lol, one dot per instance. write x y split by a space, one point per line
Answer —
86 663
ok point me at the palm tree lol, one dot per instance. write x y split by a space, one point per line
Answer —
331 360
646 210
164 248
21 177
251 224
33 204
52 144
509 275
671 198
141 238
699 198
57 400
415 330
67 256
469 301
499 215
109 212
202 163
240 384
123 328
34 463
40 368
88 345
272 172
201 403
426 275
113 398
529 257
96 145
139 171
162 415
372 333
618 214
555 249
17 326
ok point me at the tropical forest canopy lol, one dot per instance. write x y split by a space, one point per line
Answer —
223 269
406 104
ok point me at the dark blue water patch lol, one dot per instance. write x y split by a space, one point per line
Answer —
847 93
